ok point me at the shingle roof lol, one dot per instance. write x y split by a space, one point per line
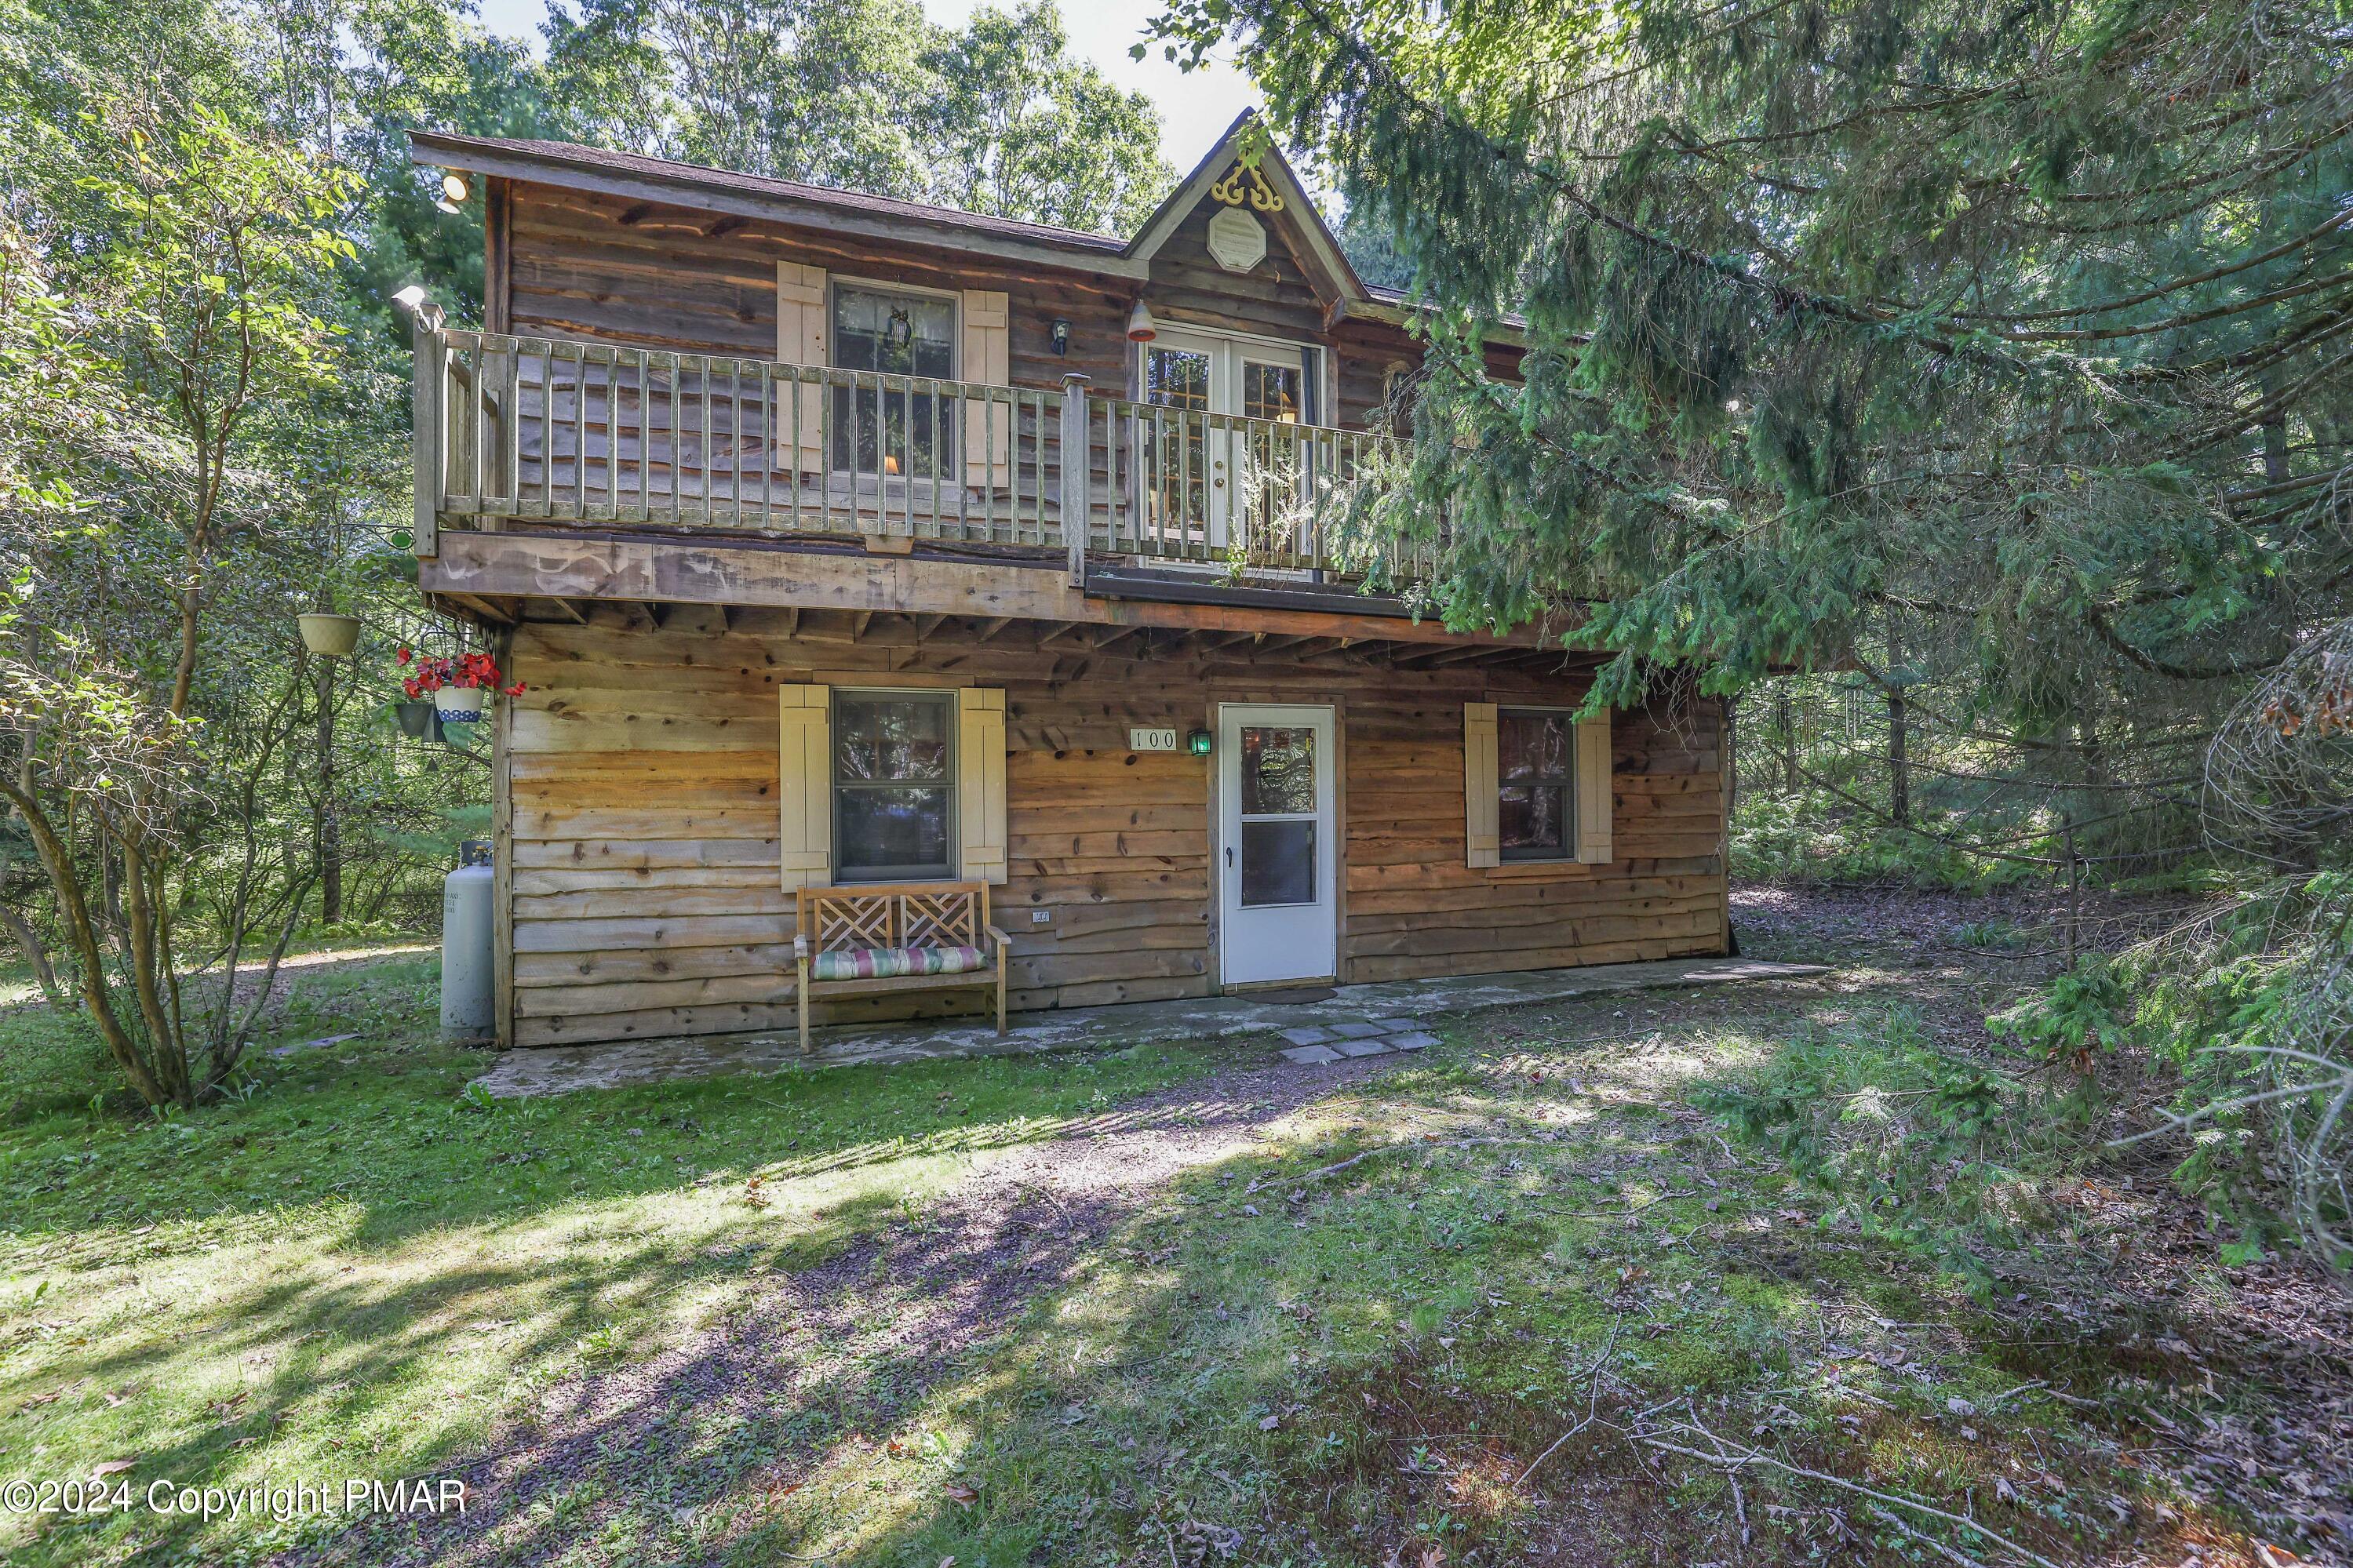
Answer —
694 176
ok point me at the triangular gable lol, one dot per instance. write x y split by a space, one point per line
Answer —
1333 275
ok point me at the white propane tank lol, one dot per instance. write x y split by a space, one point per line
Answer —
466 972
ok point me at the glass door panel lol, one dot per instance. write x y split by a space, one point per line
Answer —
1278 827
1175 471
1277 816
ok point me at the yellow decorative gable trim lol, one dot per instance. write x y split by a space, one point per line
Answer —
1261 195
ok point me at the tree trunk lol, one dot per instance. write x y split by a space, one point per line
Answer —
1785 720
81 932
111 880
328 829
29 942
1899 770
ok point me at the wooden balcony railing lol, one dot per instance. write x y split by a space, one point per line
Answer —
599 433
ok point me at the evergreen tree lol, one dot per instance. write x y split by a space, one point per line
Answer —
2023 332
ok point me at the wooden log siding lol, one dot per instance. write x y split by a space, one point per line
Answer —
647 898
584 266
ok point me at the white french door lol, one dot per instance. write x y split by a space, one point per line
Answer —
1201 471
1277 835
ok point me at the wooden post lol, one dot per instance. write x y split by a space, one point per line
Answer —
425 442
502 850
1077 461
1727 763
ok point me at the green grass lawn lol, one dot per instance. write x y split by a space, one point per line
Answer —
761 1317
359 1268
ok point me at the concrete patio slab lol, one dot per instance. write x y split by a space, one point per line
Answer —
563 1070
1310 1056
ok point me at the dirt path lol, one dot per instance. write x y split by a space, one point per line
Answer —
865 1335
812 1358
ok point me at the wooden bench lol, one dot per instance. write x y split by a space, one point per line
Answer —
863 940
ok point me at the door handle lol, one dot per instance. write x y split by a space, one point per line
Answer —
1229 856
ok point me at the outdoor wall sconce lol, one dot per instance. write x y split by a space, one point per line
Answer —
1062 336
1198 743
425 313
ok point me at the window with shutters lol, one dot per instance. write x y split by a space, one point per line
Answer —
896 428
1534 787
894 785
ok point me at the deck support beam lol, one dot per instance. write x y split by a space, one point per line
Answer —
703 571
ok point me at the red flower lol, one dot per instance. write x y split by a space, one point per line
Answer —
515 690
402 656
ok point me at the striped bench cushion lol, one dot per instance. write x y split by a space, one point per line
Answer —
889 962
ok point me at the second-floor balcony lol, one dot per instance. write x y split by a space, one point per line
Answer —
573 432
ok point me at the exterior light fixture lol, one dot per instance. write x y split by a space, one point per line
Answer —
428 315
1198 743
454 190
1062 336
1141 327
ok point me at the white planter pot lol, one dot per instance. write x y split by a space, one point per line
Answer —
330 636
462 704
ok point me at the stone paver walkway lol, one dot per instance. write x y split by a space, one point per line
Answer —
1315 1044
1356 1020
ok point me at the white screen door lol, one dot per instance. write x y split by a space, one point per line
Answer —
1277 835
1197 468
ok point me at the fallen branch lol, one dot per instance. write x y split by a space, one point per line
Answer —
1593 1402
1930 1542
1753 1457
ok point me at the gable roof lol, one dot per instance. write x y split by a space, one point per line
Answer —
1340 279
635 176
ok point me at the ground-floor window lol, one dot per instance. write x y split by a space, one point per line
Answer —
893 785
1533 763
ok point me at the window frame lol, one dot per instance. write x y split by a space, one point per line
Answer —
835 284
1505 854
950 867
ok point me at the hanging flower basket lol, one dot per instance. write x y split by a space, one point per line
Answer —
330 636
461 704
419 721
461 688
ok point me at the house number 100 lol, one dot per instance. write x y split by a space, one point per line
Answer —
1142 739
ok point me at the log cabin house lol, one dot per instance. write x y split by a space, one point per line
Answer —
764 490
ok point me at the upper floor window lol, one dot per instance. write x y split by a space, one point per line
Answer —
1533 763
884 430
893 785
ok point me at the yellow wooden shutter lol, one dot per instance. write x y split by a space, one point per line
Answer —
980 782
802 312
987 360
1479 798
805 786
1595 787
